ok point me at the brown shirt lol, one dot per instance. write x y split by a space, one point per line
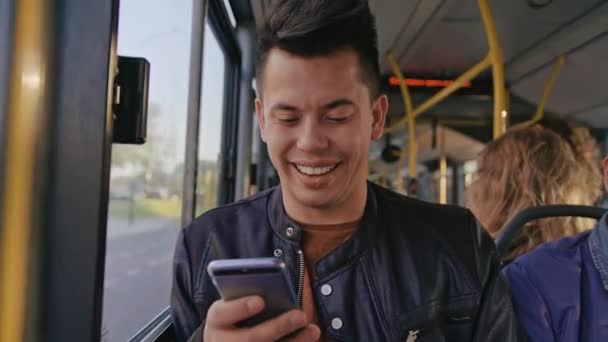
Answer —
317 242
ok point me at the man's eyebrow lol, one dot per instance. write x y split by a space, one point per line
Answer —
338 103
284 106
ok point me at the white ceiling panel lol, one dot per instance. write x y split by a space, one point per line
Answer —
581 85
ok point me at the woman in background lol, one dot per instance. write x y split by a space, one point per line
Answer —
550 162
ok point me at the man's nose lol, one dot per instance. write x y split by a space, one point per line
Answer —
312 137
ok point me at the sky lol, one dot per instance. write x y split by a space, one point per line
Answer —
162 36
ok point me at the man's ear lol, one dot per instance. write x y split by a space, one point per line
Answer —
259 113
379 112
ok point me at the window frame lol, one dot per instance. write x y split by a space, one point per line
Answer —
160 328
67 226
74 258
222 28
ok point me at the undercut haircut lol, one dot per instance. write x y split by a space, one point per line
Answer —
317 28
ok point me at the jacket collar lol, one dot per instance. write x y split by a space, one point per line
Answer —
598 245
280 223
291 232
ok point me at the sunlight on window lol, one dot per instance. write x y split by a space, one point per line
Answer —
210 139
146 181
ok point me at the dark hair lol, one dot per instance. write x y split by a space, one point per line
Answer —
312 28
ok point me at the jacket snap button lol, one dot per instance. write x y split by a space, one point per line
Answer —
289 231
326 289
278 253
336 323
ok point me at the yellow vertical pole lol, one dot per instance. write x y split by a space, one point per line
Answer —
399 186
443 168
411 123
498 72
25 116
505 115
383 179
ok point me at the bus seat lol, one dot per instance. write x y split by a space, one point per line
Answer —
512 228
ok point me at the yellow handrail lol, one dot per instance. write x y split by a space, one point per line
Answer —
540 109
493 58
505 114
498 71
445 92
26 113
411 121
443 168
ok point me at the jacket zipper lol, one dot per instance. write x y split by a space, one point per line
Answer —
300 276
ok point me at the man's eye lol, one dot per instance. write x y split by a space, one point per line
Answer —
288 119
337 118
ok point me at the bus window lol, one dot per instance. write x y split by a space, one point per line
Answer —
211 120
146 181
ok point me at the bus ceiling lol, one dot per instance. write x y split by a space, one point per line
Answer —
421 34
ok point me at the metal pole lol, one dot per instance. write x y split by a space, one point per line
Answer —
498 69
199 9
26 137
557 68
410 117
246 40
443 168
457 184
53 246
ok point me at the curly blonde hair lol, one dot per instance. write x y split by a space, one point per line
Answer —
586 150
534 165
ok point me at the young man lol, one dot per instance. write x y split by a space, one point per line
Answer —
370 264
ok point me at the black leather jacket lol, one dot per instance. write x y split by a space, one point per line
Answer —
412 268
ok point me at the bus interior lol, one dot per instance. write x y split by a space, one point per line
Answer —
90 213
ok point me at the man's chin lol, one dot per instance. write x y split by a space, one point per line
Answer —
315 199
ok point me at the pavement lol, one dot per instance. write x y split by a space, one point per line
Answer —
137 274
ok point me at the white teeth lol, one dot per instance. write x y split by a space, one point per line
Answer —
315 171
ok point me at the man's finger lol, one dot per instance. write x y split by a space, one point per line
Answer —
278 327
227 313
311 333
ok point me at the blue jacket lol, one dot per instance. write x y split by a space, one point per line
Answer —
560 290
412 269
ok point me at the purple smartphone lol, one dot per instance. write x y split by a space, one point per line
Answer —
265 277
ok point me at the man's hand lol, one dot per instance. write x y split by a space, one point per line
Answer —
223 316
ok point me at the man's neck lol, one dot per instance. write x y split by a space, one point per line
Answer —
348 211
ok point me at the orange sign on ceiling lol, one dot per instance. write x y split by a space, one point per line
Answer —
417 82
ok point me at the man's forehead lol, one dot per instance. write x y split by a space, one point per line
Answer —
309 95
283 63
326 78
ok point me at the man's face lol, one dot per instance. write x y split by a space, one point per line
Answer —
318 119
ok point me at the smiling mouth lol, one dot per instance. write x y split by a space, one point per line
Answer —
315 171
